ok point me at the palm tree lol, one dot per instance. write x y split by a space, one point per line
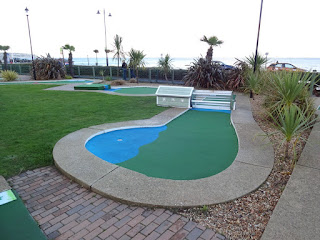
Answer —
212 41
119 53
71 49
136 60
165 65
96 51
5 55
260 61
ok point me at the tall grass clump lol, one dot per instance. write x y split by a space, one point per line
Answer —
290 106
288 88
291 121
8 75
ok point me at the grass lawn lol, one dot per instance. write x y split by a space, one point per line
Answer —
33 120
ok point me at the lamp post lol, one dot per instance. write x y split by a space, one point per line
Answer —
34 70
105 34
267 58
255 58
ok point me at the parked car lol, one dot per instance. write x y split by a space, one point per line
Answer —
223 65
284 67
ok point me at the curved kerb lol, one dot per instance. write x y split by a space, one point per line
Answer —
250 169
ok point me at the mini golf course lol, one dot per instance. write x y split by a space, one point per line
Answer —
198 144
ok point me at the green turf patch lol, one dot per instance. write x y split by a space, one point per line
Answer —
90 87
16 223
34 120
196 145
137 90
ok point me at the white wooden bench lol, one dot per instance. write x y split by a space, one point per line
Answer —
218 100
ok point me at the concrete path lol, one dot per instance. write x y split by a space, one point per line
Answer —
297 214
65 210
249 170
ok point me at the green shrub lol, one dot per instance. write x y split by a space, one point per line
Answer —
68 77
8 75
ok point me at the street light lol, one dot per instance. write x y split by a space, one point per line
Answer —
255 58
267 58
34 70
105 33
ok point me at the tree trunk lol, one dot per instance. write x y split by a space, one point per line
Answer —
118 66
70 65
209 54
5 60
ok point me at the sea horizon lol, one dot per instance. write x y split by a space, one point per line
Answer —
308 64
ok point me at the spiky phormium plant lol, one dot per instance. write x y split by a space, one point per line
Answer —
48 68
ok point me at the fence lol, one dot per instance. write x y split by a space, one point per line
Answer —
99 72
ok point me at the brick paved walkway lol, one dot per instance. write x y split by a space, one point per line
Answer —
65 210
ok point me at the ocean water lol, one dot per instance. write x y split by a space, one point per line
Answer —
308 64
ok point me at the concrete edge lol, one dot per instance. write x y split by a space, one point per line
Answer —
250 175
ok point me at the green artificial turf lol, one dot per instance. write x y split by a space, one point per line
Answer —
197 144
137 90
16 223
90 87
33 120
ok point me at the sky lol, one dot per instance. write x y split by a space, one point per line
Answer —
289 28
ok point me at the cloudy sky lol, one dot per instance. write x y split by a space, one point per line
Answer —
289 28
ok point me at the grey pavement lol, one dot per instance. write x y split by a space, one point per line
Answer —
297 214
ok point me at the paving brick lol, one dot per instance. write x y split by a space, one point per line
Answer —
37 212
84 217
100 207
148 229
53 235
173 218
135 230
166 235
161 218
65 203
108 232
53 228
75 209
49 211
153 236
109 223
95 224
194 234
149 219
163 227
123 213
146 213
45 219
136 212
85 209
125 237
96 216
111 206
122 222
139 236
189 226
61 211
177 226
80 234
67 227
79 227
101 200
121 207
110 214
207 234
158 211
58 219
180 235
93 233
70 218
122 231
136 220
